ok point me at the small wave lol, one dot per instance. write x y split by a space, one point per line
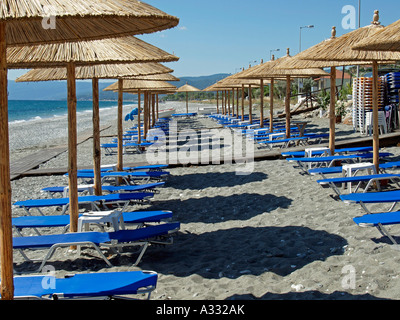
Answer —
16 121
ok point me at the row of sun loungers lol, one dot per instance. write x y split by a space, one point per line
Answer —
130 139
149 228
372 184
265 139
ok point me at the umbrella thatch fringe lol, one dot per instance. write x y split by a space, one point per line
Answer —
130 85
187 88
155 77
108 71
271 69
80 19
386 39
125 49
339 50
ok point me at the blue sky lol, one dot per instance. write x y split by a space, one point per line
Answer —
222 36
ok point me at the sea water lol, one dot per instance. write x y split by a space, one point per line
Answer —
35 124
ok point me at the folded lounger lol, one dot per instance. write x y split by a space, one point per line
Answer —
286 143
111 189
128 177
300 154
369 179
333 170
96 201
156 167
85 286
35 222
379 220
181 115
373 197
159 234
330 160
109 148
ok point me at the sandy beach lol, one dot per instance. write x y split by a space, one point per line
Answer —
273 234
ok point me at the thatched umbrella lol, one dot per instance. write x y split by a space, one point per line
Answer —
155 77
386 39
145 86
116 50
232 82
28 22
101 71
338 51
187 88
22 23
271 69
95 73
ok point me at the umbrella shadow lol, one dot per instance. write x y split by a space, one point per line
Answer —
201 181
307 295
222 208
235 252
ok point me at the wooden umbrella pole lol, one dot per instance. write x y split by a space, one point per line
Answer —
96 138
242 102
6 248
138 119
153 110
332 114
148 112
187 102
157 107
287 107
224 102
237 103
261 103
145 123
229 103
250 105
217 104
119 121
375 114
72 149
233 102
271 106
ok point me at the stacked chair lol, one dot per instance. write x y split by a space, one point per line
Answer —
362 101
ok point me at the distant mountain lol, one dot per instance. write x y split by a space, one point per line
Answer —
57 90
200 82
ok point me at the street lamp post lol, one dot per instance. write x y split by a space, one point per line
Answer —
301 28
270 52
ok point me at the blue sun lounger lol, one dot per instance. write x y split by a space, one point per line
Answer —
286 143
110 148
149 168
373 198
128 177
96 201
369 179
183 115
379 220
333 170
85 286
111 189
138 218
329 161
299 154
144 237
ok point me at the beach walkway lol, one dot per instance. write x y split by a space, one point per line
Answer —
19 167
28 165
